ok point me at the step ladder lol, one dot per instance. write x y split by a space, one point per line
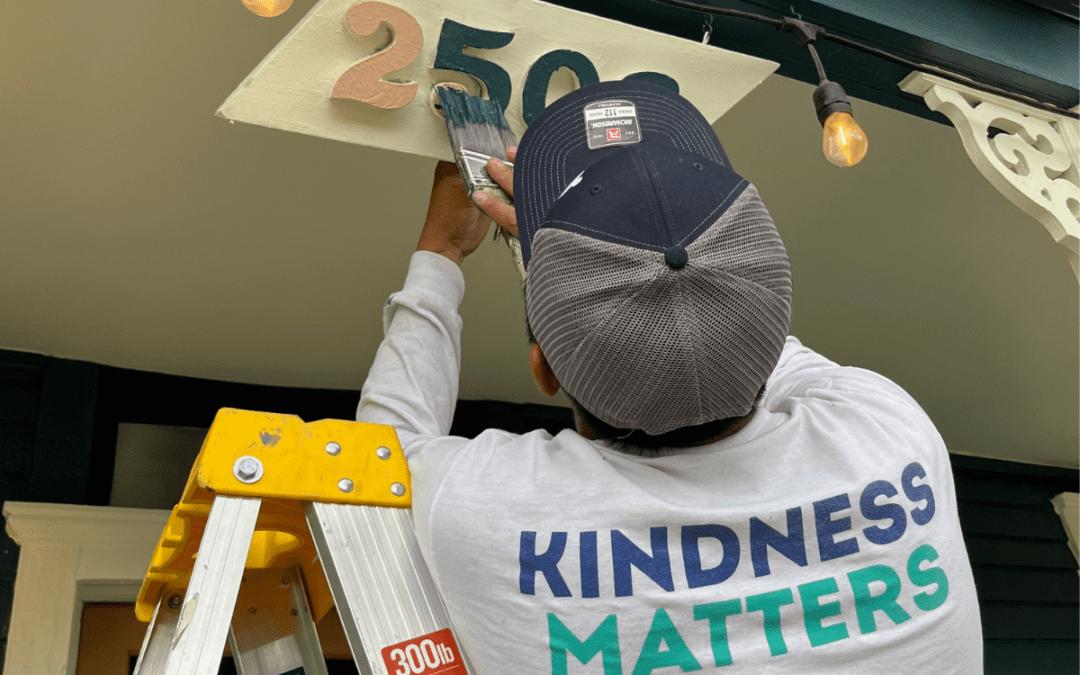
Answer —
279 522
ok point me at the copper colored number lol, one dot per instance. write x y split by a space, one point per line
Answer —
363 81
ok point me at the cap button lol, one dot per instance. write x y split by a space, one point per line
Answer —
676 257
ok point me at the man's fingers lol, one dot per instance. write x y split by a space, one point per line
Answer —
501 174
500 212
511 153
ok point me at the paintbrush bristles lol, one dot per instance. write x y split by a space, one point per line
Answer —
459 108
478 131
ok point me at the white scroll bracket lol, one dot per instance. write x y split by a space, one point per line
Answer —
1030 155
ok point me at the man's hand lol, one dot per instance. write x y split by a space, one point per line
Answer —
454 227
502 214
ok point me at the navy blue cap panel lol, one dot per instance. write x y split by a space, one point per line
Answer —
553 151
636 196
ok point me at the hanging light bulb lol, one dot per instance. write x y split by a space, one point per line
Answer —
843 142
267 8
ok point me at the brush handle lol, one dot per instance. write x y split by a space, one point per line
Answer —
512 242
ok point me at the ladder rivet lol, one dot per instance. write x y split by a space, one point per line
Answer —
345 485
333 448
397 489
174 601
383 452
251 610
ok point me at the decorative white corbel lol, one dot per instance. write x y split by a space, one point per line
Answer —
1067 505
1033 158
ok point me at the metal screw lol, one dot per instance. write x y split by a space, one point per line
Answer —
294 612
248 469
383 452
397 489
174 601
251 610
345 485
333 448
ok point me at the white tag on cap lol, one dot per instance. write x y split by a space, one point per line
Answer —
612 122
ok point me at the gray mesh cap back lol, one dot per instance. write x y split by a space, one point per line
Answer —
657 285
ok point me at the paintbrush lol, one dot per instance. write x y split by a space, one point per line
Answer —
479 131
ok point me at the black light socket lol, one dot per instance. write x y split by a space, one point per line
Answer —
829 97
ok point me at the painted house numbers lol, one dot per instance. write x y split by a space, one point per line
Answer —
363 82
362 72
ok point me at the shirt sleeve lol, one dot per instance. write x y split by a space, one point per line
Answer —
413 381
802 373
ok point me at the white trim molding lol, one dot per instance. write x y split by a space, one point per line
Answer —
1067 505
1033 159
70 555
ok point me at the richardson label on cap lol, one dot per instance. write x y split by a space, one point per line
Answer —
611 123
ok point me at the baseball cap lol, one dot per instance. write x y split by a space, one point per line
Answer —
657 285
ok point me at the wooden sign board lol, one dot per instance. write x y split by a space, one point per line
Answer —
363 72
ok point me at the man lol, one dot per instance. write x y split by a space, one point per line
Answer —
731 499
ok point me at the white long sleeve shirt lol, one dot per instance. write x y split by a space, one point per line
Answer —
821 538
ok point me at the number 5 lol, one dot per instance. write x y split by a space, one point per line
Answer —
448 55
363 81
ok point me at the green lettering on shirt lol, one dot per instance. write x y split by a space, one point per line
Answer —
932 575
814 612
717 613
677 653
604 640
769 606
867 603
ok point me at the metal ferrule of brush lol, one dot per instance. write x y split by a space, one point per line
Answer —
473 166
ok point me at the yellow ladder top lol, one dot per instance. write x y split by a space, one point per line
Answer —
285 461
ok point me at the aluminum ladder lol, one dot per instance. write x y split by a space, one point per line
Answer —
279 522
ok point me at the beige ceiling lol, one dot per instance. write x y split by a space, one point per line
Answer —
138 230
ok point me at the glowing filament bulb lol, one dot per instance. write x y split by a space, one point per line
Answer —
267 8
844 142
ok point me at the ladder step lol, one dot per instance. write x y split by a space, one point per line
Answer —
272 629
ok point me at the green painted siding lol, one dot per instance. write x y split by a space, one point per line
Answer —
1012 34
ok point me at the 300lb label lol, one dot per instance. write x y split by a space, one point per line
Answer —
432 654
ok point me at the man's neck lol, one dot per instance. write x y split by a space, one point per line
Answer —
586 431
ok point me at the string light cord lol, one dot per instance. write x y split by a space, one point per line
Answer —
791 27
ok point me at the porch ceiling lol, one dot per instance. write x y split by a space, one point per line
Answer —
138 230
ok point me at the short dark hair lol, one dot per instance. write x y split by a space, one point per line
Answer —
636 441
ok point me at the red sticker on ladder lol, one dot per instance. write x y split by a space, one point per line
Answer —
432 654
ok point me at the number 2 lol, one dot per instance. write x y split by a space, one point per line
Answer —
363 81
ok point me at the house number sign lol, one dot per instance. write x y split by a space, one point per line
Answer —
362 71
363 81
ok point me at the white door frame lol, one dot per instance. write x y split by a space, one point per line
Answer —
70 555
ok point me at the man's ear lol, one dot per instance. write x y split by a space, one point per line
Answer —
542 373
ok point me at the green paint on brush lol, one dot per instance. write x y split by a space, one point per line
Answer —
460 108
